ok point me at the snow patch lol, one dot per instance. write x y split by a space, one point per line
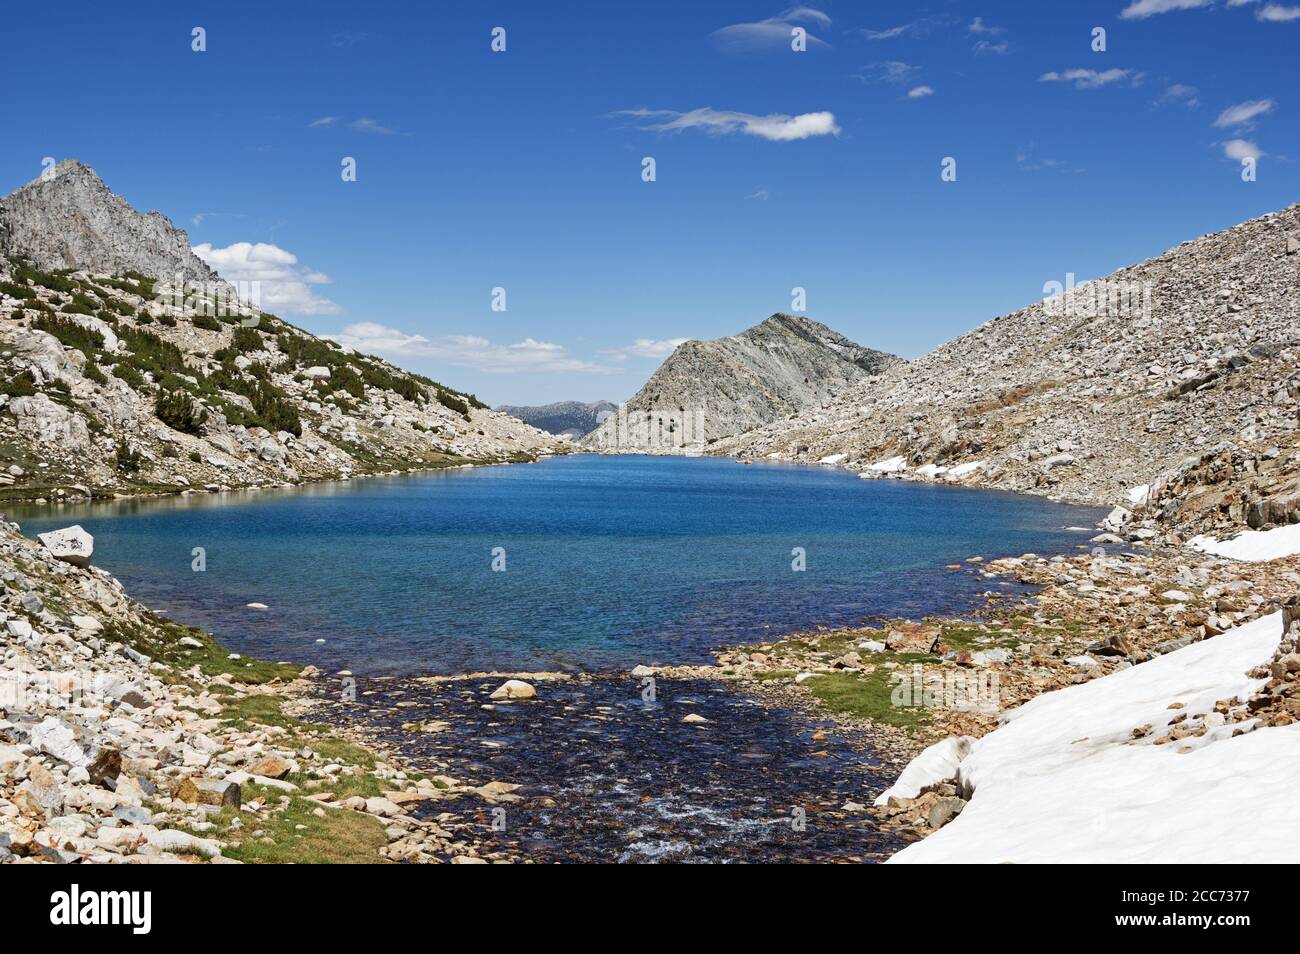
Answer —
1139 495
891 466
961 470
1253 546
936 764
1063 779
834 459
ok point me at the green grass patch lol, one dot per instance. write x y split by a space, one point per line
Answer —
869 695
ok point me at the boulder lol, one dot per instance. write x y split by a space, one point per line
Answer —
317 373
272 767
54 737
71 545
50 423
912 638
514 689
210 791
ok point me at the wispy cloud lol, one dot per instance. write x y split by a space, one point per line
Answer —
1242 113
979 26
322 121
760 195
918 27
469 351
1028 160
1239 149
775 127
366 124
772 32
1189 96
285 286
890 33
646 348
919 92
888 71
1141 9
1087 79
200 217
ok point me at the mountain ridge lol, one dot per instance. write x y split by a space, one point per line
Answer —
110 386
571 419
1167 389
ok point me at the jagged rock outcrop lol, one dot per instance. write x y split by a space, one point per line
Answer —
108 385
1170 388
571 419
68 218
706 390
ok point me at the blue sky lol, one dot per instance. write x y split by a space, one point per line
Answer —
774 169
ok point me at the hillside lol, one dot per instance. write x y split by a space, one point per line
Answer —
571 419
110 383
1170 388
707 390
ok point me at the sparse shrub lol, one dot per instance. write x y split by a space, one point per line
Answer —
447 399
207 323
179 412
22 384
93 372
128 458
129 374
70 333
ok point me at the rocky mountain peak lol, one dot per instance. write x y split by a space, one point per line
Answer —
710 389
67 218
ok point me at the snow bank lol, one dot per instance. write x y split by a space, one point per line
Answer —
1063 780
961 470
1254 546
834 459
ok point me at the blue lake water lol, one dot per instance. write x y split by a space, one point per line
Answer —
609 561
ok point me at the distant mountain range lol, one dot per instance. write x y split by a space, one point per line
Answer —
571 419
707 390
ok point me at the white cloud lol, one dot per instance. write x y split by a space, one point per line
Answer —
772 32
469 351
1141 9
776 127
1086 79
1000 48
761 195
1276 13
647 348
920 91
1243 113
283 286
322 121
1240 149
